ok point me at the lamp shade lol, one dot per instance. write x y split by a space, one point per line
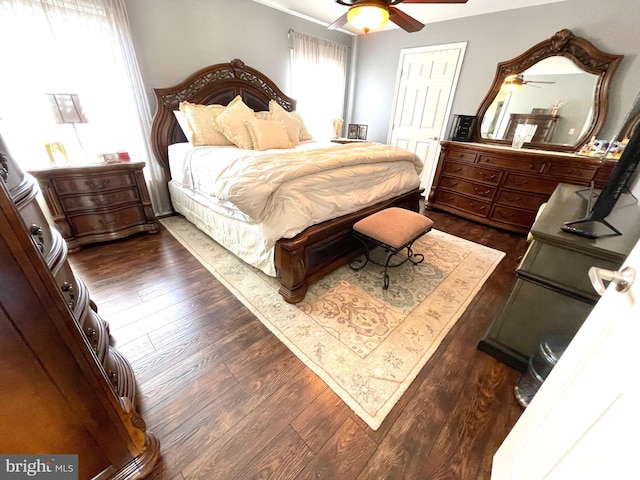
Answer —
66 108
367 17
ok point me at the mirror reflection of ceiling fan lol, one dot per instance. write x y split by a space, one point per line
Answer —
367 15
518 80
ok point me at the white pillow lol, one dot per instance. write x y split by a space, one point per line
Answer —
266 134
184 125
231 123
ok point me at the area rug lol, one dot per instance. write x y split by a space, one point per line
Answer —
366 343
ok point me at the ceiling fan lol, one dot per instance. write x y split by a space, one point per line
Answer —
370 14
518 80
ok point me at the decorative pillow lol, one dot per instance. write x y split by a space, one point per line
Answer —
200 118
304 133
267 134
231 123
292 124
184 125
263 115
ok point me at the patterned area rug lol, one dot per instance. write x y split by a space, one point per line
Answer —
366 343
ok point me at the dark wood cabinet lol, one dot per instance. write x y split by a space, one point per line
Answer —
504 187
552 294
65 388
96 203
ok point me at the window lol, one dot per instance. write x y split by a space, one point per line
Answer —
318 81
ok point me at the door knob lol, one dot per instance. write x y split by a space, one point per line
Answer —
432 138
623 278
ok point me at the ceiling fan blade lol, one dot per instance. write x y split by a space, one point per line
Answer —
431 1
404 21
339 23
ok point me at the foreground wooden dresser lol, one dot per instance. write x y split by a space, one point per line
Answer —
66 390
96 203
503 186
552 294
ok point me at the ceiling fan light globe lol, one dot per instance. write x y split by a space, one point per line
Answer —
367 17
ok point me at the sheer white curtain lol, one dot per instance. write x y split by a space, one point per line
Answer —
82 47
318 81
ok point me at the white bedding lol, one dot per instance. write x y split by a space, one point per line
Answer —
282 192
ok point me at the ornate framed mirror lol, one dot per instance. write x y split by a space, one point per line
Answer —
561 86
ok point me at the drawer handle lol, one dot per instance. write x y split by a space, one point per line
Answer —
36 231
4 167
101 202
519 184
452 184
456 170
479 208
484 194
506 215
448 199
98 186
486 176
68 289
110 223
513 199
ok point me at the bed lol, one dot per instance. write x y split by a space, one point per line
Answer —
298 258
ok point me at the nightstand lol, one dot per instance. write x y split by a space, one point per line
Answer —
97 203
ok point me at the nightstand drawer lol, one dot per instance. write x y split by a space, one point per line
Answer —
111 221
95 183
100 200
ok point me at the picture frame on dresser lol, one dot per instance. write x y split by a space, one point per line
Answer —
352 131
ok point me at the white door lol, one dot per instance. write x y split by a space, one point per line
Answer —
584 421
427 77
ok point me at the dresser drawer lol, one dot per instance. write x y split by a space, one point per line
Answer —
530 184
472 172
464 186
93 183
99 200
577 172
461 156
477 207
112 221
513 216
520 199
530 165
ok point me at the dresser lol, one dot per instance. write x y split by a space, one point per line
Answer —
65 388
503 186
96 203
552 294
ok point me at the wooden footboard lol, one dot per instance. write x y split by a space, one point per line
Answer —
320 249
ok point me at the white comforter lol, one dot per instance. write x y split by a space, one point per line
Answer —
285 191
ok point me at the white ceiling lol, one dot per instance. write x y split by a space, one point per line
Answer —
325 12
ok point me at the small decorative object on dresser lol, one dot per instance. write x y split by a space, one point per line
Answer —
352 133
97 203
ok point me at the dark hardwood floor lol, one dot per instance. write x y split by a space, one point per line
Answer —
229 401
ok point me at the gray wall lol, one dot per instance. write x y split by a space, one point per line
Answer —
612 26
174 38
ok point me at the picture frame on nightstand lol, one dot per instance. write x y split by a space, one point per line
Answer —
362 132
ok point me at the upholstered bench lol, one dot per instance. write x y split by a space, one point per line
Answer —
393 229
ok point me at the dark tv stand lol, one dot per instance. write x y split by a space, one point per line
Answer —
552 294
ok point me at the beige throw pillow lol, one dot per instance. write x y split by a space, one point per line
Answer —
292 124
200 118
267 134
231 123
304 133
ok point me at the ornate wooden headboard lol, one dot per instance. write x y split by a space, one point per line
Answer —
216 84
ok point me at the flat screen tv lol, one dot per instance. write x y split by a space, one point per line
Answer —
595 225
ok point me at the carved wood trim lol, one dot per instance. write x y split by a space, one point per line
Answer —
585 55
219 83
